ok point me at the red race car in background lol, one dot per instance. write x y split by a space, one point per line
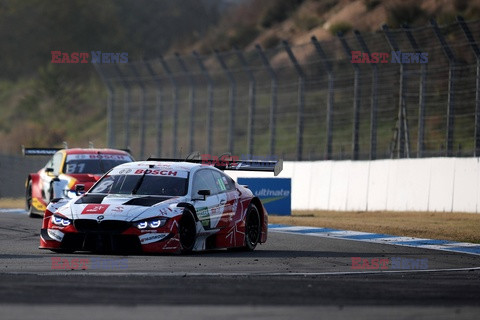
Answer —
66 169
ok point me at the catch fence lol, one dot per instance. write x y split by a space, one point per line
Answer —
306 102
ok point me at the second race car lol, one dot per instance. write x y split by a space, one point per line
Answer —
66 169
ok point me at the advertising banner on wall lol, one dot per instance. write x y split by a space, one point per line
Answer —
275 193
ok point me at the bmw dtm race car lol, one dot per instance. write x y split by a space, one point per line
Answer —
66 169
160 206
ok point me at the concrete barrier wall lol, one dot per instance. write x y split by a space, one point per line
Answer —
431 184
14 171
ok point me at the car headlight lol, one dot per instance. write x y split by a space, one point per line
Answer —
150 224
59 221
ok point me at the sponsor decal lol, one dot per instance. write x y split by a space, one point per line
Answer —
100 57
101 156
394 263
275 193
55 234
59 263
204 216
156 172
38 205
118 209
383 57
95 208
151 237
165 211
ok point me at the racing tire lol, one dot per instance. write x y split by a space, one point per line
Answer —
51 194
253 228
188 231
28 200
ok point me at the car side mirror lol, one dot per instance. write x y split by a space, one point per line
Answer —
203 193
49 171
79 189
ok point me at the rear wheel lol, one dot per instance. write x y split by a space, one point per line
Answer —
28 199
252 228
187 231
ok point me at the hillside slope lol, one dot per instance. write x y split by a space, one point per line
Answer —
269 22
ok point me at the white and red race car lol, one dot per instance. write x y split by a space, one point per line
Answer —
65 169
158 206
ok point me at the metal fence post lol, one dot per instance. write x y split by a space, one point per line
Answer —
175 104
356 98
476 51
210 101
143 110
451 87
301 99
158 107
110 106
403 139
126 106
273 98
191 99
374 100
252 93
329 120
232 93
421 98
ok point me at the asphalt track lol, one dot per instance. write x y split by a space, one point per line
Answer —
290 277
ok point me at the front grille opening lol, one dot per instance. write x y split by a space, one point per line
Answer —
93 226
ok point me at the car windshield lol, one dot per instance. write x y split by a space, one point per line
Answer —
142 185
93 163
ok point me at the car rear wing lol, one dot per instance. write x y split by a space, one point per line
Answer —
49 151
233 164
39 151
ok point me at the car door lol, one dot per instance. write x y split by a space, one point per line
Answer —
207 207
227 197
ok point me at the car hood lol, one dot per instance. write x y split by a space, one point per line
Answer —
85 177
118 207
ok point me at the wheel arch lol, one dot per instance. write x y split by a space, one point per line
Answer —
190 207
35 178
263 218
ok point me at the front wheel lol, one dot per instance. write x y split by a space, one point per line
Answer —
187 231
252 228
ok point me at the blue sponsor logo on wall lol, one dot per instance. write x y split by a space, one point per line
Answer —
275 193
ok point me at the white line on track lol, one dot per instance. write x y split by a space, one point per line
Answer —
21 211
394 240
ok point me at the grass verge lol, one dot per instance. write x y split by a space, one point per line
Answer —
12 203
464 227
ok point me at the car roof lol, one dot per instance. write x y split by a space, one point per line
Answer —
179 166
94 151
